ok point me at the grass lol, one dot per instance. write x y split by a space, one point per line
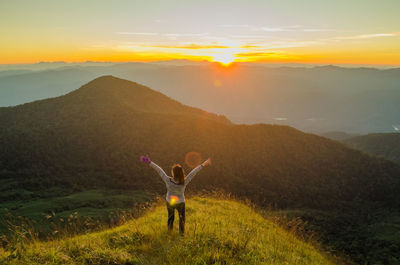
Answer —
218 231
99 204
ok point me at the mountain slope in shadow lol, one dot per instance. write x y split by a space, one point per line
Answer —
94 135
386 145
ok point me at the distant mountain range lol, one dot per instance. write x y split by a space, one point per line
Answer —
386 145
314 99
338 136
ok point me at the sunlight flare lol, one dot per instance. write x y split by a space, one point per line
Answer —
224 59
173 199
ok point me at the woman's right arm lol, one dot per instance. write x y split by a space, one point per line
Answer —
160 171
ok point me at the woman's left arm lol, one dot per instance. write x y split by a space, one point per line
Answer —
160 171
192 173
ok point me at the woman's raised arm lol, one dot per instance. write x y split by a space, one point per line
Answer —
160 171
192 173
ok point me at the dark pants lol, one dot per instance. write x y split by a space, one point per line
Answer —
171 215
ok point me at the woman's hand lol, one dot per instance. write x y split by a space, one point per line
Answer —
145 159
207 162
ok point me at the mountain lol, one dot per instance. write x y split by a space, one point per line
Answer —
41 66
313 99
92 137
338 136
232 234
386 145
22 88
13 72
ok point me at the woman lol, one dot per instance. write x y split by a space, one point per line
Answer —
175 189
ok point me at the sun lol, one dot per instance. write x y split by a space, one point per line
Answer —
224 59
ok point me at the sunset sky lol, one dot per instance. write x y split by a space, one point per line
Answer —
301 31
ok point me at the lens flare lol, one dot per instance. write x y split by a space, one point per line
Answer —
192 159
173 199
217 83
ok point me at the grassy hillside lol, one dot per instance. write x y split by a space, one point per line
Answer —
385 145
218 232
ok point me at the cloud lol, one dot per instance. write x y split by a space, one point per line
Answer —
185 34
294 28
276 29
273 29
280 44
250 46
258 28
235 26
137 33
367 36
255 54
318 30
189 46
248 37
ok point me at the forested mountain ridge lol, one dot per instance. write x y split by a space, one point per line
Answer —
108 92
385 145
93 136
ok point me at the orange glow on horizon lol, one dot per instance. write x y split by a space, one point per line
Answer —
223 59
34 31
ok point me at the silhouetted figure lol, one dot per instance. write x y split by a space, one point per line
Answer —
175 189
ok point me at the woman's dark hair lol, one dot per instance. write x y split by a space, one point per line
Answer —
178 174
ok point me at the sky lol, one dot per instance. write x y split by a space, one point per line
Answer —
296 31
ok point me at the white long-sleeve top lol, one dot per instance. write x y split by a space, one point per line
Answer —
175 191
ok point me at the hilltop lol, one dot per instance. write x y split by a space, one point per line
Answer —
218 232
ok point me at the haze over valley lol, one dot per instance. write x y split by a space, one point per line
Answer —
316 99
